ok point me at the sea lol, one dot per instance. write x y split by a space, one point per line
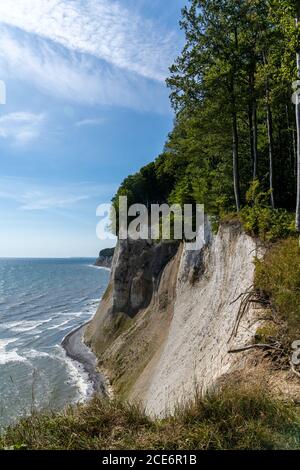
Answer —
41 301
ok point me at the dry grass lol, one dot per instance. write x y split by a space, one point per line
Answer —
233 418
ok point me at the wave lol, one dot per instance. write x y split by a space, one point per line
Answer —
38 308
33 354
26 307
23 326
57 327
10 355
99 267
73 314
78 376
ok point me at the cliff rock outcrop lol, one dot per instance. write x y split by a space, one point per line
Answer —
105 258
169 317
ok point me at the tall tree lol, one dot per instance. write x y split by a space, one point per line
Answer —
235 134
270 132
210 66
231 89
271 148
298 119
252 112
251 26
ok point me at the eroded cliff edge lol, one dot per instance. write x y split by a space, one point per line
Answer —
167 320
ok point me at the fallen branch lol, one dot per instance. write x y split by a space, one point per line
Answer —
253 346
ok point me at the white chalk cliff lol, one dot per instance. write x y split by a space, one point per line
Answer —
168 320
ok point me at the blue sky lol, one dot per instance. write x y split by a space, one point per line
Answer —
86 106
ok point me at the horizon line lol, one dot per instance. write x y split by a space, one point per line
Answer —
48 257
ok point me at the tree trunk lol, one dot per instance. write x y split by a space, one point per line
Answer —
298 123
250 119
289 135
270 137
235 136
294 137
271 152
254 133
235 159
253 122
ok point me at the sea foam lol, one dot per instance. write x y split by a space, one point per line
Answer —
9 355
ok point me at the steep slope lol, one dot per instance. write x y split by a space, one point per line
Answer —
134 315
167 319
209 288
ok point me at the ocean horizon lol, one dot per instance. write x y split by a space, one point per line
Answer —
41 301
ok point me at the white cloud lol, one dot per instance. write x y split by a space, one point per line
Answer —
90 122
21 127
102 28
37 200
76 78
30 195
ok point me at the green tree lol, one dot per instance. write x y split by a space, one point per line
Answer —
298 119
235 125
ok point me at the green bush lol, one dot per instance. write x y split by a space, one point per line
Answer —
277 276
260 220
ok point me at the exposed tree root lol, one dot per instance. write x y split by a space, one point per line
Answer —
253 346
243 307
241 295
250 296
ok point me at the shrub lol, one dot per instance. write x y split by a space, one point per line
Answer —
260 220
277 276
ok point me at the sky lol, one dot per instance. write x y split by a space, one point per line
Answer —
86 105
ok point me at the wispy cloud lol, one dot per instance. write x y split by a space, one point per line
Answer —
37 200
21 127
75 77
102 28
90 122
30 195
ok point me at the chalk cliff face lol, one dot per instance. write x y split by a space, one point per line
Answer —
169 317
137 271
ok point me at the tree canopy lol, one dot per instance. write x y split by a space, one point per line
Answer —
235 127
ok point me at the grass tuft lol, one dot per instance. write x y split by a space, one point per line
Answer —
277 277
232 418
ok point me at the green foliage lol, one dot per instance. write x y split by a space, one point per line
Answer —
236 417
238 57
268 224
260 220
277 276
269 332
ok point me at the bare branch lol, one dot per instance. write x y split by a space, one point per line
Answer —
241 295
254 346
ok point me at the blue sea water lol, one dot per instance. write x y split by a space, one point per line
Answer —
41 301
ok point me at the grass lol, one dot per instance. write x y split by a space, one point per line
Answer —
268 332
236 417
277 277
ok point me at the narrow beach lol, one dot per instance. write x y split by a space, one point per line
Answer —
77 350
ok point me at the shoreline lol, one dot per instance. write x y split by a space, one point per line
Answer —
78 351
